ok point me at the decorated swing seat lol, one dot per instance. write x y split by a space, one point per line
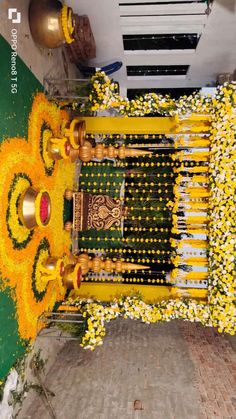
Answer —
99 212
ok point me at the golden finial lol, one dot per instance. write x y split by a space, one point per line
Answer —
87 152
97 265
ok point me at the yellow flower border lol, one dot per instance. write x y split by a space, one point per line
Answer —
39 283
20 156
47 160
18 232
222 232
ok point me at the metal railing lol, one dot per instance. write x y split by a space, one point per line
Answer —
51 321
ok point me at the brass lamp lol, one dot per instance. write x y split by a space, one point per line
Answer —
79 266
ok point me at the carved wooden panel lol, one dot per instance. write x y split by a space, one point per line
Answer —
98 212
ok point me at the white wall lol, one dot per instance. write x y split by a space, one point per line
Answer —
215 53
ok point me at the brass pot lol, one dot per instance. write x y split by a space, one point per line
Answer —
55 152
45 23
51 263
68 277
27 208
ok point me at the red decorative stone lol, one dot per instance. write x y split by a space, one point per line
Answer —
44 208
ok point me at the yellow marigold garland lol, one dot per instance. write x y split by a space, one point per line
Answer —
67 23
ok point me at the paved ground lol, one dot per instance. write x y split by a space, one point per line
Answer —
214 359
177 371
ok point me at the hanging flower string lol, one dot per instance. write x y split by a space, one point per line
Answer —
205 194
